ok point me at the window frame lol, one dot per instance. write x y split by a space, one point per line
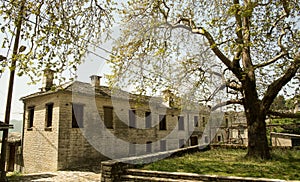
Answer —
148 119
148 147
196 121
180 123
163 145
75 123
109 124
162 122
181 143
132 149
49 115
30 117
132 118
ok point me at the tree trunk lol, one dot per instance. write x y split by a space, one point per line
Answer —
257 136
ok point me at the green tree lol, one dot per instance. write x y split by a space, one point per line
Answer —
253 44
279 103
54 35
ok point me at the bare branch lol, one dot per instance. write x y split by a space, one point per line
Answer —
271 61
277 85
189 24
213 46
229 102
285 15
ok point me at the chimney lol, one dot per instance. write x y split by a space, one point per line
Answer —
47 82
95 80
168 98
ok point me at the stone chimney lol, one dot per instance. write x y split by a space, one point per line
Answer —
168 98
47 82
95 80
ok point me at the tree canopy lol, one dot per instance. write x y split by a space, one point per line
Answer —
54 34
253 46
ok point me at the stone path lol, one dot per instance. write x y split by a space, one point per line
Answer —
61 176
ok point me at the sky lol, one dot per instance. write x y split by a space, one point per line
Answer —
93 65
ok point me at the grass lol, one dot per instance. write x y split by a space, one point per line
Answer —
285 164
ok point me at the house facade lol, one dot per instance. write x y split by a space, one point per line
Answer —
81 124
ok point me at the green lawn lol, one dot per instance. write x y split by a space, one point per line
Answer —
285 164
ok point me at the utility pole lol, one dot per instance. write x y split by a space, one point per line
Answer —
10 90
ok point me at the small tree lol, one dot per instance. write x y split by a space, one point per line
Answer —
253 44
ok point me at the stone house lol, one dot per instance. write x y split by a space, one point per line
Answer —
80 124
13 155
233 129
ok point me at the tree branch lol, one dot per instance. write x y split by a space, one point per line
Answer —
277 85
271 61
213 46
234 85
229 102
284 115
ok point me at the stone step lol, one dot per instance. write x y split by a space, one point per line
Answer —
167 175
181 176
132 178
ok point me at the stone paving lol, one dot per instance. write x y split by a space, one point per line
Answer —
61 176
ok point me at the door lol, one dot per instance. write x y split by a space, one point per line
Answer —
194 140
11 159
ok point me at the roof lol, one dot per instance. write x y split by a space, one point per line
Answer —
86 88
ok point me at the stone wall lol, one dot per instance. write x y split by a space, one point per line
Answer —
40 147
283 139
63 147
125 169
113 170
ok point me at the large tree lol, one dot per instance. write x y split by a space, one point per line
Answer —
53 34
253 45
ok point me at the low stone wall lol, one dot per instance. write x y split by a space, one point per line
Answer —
124 169
113 170
285 139
144 175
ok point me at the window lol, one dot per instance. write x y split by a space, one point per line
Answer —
30 116
219 138
77 115
181 143
203 121
206 139
162 122
242 131
132 149
149 147
180 123
226 122
132 119
163 145
148 119
194 140
196 121
108 117
49 114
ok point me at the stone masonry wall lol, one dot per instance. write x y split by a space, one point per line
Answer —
40 148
